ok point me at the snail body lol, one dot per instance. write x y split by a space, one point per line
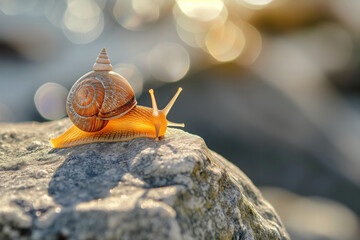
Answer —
102 106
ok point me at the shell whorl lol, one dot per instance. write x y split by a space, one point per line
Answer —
102 62
88 98
84 103
97 97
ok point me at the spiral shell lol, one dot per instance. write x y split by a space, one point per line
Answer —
98 96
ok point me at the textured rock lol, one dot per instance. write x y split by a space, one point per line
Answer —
172 189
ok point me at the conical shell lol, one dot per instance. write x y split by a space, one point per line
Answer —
97 97
102 62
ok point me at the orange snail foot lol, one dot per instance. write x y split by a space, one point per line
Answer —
128 127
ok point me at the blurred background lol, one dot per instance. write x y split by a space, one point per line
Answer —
272 85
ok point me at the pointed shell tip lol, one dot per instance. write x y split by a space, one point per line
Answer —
102 62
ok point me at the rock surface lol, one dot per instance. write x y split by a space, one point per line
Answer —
175 188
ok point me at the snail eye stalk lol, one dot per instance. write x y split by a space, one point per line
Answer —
166 109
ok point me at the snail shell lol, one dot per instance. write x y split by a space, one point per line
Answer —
99 96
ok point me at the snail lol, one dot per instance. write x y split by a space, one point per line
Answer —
102 107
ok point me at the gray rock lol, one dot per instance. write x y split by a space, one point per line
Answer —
175 188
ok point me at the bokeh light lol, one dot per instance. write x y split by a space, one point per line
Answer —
54 11
135 14
225 42
253 44
83 21
202 10
132 74
50 101
255 4
149 10
168 62
193 39
192 31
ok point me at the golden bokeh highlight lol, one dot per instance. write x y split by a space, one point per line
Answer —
192 31
253 44
258 2
201 10
193 39
226 38
255 4
225 42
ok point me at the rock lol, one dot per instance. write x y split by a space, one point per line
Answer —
175 188
266 132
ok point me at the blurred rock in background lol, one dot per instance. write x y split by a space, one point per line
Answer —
275 82
313 217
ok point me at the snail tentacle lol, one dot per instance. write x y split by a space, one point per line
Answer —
171 103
